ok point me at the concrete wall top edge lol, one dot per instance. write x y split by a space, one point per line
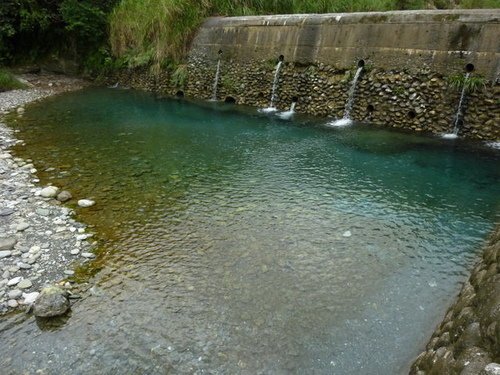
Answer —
420 16
444 41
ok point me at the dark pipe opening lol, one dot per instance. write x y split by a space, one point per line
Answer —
179 94
260 95
220 52
295 99
370 108
281 58
469 68
230 100
460 122
361 63
412 114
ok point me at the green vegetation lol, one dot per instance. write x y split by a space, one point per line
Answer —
9 82
472 84
158 32
179 76
107 34
31 30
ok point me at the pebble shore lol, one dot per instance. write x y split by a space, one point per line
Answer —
40 242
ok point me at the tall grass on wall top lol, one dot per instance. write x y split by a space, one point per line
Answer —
152 31
159 31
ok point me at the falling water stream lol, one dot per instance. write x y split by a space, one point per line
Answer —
459 114
216 81
346 119
236 243
274 88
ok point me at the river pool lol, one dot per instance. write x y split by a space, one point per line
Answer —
234 242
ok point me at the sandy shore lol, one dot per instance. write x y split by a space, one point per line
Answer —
40 243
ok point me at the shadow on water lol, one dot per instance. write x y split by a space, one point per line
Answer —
233 242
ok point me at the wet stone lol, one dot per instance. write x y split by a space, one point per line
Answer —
64 196
49 192
52 301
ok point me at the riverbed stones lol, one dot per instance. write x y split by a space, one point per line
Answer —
29 298
14 281
86 203
22 226
35 241
64 196
7 243
52 301
5 254
491 369
25 284
49 192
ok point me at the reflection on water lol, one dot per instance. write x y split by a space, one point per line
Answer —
232 243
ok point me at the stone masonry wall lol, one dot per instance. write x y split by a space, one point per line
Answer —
468 339
422 101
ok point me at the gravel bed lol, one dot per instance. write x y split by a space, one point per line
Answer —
40 242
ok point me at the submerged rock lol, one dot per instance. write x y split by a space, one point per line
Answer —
85 202
49 192
64 196
52 301
491 369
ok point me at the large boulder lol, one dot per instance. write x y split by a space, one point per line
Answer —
52 301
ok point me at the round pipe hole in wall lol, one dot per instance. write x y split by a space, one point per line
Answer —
281 58
295 99
370 108
411 114
230 100
469 68
361 63
179 94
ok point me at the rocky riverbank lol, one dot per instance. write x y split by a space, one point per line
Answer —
467 342
39 241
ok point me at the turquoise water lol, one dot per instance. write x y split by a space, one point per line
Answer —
232 242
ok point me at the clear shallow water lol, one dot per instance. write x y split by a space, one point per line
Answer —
225 239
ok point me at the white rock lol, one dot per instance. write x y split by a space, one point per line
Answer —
85 202
14 281
12 303
49 192
15 294
88 255
347 233
491 369
29 298
75 251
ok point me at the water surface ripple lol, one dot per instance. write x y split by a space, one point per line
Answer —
235 243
